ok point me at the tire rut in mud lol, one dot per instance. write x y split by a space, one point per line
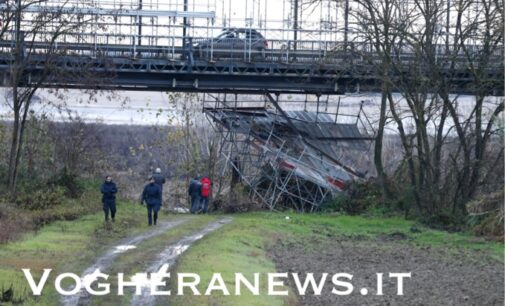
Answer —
169 256
105 260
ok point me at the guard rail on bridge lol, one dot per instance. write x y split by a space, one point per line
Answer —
178 69
157 56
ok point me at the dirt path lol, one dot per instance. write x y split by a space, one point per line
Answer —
439 276
104 261
170 254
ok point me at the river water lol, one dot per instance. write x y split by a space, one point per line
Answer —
156 108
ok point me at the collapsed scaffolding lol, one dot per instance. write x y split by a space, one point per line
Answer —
295 159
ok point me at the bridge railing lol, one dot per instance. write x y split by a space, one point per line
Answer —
281 51
167 42
160 29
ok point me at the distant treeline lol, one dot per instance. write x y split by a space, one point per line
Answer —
91 148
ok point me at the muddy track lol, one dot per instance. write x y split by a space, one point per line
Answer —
170 254
104 261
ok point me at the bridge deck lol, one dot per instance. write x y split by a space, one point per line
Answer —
150 69
144 46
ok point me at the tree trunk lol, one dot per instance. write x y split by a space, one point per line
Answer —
408 154
381 175
18 133
12 155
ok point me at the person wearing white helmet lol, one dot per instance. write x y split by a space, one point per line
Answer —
159 179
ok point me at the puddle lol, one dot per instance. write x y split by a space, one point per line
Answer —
181 210
124 248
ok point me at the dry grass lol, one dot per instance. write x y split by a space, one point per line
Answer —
486 216
13 222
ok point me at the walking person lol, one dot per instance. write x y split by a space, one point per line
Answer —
159 179
205 193
109 191
152 197
194 192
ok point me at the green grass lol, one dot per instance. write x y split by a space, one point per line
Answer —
242 246
138 259
239 247
64 246
303 225
462 241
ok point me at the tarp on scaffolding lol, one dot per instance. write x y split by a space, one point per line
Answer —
291 157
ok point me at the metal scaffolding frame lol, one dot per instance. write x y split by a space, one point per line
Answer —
279 163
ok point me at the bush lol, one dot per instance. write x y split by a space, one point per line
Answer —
41 199
443 220
40 203
356 199
486 215
236 201
64 212
341 203
12 223
71 183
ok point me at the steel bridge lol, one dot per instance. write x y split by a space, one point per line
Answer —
131 45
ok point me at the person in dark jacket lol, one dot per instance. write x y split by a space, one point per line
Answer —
152 197
109 191
159 179
194 191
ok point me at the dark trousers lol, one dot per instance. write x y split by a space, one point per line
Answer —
152 214
195 204
111 206
204 204
161 196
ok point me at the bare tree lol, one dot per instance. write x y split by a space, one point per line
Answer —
426 80
81 148
378 22
195 145
419 48
32 33
480 38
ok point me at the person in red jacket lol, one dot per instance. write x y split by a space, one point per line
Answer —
205 192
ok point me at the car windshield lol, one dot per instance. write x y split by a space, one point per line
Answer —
240 33
226 34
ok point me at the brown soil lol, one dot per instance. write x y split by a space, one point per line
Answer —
439 277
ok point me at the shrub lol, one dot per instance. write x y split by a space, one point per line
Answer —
64 212
341 203
12 223
486 215
236 201
41 199
357 198
443 220
71 183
